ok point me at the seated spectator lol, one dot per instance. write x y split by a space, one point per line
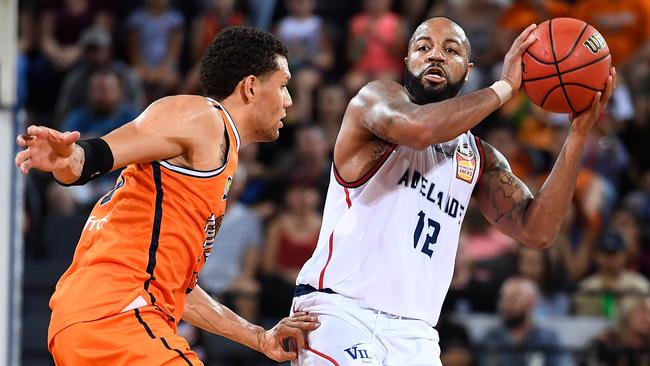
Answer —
628 342
155 39
290 241
104 111
377 45
311 53
217 15
519 340
455 344
62 24
537 266
96 54
601 293
331 102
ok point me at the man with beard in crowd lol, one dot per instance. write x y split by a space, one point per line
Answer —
405 166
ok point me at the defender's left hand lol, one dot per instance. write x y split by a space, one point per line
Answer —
583 122
272 341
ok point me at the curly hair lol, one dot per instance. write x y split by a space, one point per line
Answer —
235 53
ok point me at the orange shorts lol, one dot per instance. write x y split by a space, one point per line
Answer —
136 337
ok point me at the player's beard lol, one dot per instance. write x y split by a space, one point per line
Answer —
430 94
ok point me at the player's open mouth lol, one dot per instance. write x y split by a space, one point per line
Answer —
435 75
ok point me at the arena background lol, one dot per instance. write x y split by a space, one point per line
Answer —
82 64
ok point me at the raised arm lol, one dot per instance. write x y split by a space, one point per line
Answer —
388 112
536 219
204 312
181 126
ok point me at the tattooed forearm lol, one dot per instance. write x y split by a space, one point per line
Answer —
508 196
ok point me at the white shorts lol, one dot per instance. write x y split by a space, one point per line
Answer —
352 335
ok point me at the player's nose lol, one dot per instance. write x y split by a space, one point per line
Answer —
436 54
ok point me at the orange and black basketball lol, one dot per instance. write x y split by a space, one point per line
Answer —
567 65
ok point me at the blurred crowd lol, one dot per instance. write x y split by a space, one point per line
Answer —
93 65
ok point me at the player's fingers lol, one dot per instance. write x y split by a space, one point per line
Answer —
524 46
21 157
524 35
71 137
22 140
609 88
295 333
37 131
25 166
595 104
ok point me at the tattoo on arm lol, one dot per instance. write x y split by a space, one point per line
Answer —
502 196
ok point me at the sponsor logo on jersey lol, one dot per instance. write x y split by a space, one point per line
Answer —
465 163
360 353
95 223
211 228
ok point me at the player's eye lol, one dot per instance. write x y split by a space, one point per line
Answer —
451 50
423 48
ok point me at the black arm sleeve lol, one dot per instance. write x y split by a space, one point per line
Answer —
98 160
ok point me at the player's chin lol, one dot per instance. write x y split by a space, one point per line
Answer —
270 135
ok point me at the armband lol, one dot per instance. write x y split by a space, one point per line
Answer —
98 160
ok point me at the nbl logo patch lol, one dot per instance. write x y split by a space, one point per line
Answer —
227 188
465 163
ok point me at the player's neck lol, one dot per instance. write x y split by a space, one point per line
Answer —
238 112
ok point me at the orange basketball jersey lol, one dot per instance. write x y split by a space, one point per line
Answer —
146 240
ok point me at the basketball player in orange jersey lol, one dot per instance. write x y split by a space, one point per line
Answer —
134 272
405 168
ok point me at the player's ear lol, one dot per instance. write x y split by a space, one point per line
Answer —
470 66
249 88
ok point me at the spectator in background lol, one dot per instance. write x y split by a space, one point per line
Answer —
537 266
311 53
106 108
628 342
625 25
290 241
601 293
230 274
638 201
216 15
377 43
331 102
519 341
62 24
455 344
96 54
104 111
154 40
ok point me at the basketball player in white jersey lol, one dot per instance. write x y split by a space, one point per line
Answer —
405 167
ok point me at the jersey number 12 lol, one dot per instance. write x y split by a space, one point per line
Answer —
432 236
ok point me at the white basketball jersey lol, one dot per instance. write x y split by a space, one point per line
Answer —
389 240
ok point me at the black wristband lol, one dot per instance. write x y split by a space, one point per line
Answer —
98 160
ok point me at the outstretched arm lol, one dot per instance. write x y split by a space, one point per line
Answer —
507 203
170 127
204 312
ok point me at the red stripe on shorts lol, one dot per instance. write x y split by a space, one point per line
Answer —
321 354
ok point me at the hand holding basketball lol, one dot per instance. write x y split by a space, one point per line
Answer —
567 67
584 121
511 71
45 149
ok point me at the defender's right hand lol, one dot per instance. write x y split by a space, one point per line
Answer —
45 149
511 71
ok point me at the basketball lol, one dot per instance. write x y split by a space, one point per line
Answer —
567 65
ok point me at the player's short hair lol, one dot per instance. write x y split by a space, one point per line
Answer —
237 52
